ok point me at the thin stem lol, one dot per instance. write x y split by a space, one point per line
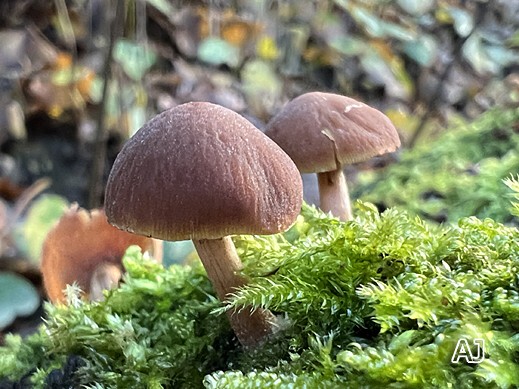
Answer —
98 159
333 194
436 95
223 265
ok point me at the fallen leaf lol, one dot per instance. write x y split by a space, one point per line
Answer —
423 50
9 190
41 216
134 58
416 7
216 51
262 88
463 21
18 297
267 49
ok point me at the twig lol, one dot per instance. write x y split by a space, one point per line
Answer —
21 205
433 101
99 154
431 109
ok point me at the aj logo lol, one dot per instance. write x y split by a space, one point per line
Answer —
464 352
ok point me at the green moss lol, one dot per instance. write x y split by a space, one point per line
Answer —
156 329
513 183
378 301
20 357
458 175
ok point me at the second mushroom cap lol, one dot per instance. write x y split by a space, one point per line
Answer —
322 131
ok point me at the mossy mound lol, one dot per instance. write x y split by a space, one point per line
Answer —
458 175
378 301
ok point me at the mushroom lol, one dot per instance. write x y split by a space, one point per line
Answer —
83 248
322 132
105 276
200 171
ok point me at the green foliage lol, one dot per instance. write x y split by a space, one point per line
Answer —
135 59
378 301
19 357
458 175
513 183
41 217
216 51
483 52
238 380
382 300
156 329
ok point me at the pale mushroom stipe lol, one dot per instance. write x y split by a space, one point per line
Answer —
323 132
200 171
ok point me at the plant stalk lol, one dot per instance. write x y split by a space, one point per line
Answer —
99 153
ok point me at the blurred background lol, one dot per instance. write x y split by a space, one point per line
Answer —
79 77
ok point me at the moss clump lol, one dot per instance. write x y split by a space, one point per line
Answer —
378 301
458 175
156 329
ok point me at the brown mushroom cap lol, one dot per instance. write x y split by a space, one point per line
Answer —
201 171
322 131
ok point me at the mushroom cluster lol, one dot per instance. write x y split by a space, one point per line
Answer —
200 171
323 132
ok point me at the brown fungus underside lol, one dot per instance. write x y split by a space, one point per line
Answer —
79 246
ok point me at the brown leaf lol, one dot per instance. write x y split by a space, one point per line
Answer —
9 190
231 27
80 243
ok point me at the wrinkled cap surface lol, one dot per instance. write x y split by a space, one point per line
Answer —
323 131
201 171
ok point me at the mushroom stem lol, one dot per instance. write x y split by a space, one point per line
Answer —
223 265
333 194
106 276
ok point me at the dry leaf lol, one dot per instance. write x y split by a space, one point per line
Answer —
233 28
60 87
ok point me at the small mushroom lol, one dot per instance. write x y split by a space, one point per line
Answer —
202 172
323 132
83 248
